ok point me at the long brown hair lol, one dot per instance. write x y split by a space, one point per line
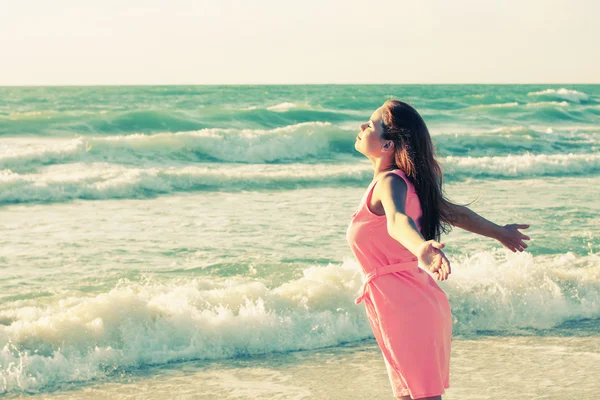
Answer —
414 154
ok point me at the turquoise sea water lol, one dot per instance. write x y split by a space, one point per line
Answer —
150 227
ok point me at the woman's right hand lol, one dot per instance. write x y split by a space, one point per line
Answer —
434 259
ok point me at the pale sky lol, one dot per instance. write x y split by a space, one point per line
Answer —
93 42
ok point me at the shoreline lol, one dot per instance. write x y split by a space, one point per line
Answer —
486 367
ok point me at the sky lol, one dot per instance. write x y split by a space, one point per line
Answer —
133 42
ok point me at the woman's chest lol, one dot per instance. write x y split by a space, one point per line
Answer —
362 226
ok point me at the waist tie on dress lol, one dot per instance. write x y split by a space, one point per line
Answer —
386 269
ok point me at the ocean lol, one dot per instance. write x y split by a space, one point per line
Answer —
188 242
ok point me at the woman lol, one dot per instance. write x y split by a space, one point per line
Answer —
397 227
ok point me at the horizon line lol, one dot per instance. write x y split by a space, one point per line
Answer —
287 84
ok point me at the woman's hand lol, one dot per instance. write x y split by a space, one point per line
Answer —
434 259
510 237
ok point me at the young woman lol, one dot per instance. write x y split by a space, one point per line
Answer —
396 227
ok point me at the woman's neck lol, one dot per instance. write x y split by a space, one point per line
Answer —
380 167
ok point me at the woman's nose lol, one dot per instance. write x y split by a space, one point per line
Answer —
362 127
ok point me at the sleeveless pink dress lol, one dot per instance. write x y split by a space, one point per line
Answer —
407 310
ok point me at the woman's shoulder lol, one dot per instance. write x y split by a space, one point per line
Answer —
388 177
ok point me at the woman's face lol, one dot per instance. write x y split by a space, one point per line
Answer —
369 141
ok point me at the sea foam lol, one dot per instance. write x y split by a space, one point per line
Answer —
79 337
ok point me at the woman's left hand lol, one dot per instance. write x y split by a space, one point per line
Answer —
511 238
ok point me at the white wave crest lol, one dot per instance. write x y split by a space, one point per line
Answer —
79 338
291 142
523 165
499 105
562 93
286 106
548 104
504 290
100 180
63 182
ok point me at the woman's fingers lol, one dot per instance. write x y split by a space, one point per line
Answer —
440 265
436 266
517 246
443 268
443 272
447 264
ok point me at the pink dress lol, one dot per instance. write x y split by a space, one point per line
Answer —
407 310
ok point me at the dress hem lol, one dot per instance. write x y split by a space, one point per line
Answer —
421 395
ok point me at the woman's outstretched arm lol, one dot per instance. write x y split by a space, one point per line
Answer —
508 235
401 227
